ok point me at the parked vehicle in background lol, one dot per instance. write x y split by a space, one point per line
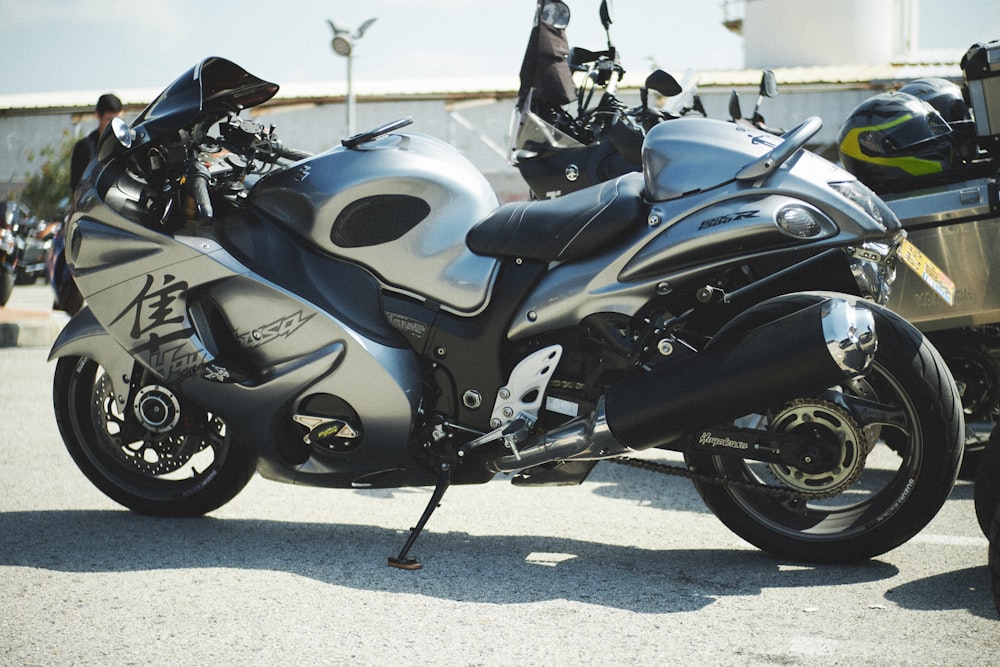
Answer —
65 294
13 218
987 502
931 150
37 239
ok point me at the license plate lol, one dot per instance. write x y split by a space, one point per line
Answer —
928 271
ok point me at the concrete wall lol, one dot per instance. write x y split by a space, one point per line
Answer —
476 127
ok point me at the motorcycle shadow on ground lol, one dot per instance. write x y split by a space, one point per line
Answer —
647 489
492 569
967 589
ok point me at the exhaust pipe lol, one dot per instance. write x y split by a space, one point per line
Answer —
799 354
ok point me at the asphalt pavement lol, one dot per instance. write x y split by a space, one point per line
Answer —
628 568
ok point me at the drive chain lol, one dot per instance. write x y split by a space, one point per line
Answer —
779 492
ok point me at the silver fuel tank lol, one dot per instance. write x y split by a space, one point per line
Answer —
400 205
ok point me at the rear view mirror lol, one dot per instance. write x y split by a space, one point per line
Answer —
607 14
768 84
734 106
663 83
555 15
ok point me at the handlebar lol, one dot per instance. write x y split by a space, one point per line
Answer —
293 154
196 184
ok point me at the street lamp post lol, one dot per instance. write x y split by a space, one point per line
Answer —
343 45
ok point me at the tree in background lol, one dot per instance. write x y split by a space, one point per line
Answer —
46 190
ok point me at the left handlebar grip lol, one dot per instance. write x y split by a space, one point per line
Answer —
197 187
294 154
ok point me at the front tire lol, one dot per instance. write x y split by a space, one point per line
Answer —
186 466
6 286
909 470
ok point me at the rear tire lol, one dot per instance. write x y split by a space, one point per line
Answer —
909 471
994 559
987 488
188 470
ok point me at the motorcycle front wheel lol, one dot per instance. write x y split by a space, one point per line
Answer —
160 455
905 465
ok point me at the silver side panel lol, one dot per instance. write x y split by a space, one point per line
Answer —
969 252
934 205
147 308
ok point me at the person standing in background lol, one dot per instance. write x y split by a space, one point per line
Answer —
108 107
67 294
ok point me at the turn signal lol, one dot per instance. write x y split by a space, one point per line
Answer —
798 221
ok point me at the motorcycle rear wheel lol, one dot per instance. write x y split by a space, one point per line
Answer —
987 489
904 482
188 470
994 559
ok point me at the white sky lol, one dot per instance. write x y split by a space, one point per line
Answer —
67 45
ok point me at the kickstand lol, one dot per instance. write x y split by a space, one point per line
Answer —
443 482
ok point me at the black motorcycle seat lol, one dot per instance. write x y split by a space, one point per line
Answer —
561 229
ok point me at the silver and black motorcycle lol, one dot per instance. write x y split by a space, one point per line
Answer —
369 317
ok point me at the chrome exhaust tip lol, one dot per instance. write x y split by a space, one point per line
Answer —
850 336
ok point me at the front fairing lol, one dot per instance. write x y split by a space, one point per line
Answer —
206 92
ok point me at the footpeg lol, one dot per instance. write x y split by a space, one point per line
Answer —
511 434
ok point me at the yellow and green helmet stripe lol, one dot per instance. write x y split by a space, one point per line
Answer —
851 147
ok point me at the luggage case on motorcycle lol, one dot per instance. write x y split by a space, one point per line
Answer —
981 66
956 225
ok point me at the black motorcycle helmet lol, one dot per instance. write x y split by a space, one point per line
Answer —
947 98
893 140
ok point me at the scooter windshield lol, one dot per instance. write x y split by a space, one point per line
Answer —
209 90
545 67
